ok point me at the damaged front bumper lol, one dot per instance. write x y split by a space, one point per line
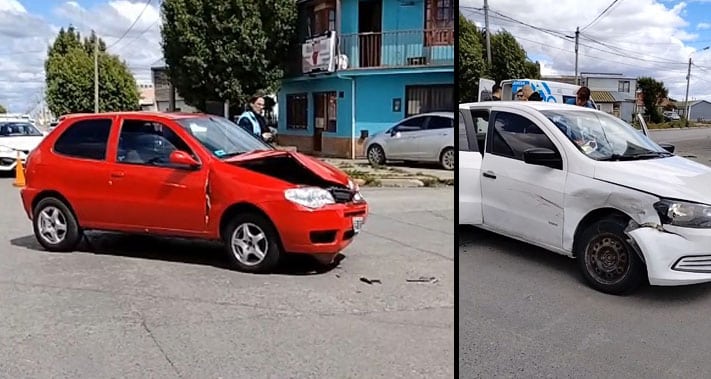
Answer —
673 255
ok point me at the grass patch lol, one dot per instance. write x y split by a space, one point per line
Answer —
672 125
368 178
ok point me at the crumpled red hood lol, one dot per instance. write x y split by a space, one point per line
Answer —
324 170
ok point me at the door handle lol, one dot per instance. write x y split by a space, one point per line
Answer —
117 174
489 174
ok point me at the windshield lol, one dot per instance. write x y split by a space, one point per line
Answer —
223 138
601 136
18 129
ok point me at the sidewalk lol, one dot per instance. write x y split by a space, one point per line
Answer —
394 174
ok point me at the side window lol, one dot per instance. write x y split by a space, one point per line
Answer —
481 123
514 134
148 143
438 122
463 139
86 139
412 125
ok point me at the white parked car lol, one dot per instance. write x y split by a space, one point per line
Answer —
426 137
17 137
585 184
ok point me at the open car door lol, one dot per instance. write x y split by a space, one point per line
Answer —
469 174
485 86
642 125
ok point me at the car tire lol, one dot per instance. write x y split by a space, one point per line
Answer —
607 261
446 159
376 155
55 226
252 253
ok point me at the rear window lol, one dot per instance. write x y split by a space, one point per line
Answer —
86 139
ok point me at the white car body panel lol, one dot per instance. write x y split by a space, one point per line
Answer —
544 206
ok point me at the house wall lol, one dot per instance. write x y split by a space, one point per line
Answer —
396 16
610 84
627 110
606 107
700 111
373 107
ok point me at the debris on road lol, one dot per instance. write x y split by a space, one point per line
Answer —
424 279
370 281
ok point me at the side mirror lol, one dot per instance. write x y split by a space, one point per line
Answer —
393 132
543 157
668 147
182 158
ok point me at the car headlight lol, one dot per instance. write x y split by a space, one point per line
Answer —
310 197
684 214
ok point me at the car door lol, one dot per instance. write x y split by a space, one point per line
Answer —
519 198
149 192
400 142
469 173
437 135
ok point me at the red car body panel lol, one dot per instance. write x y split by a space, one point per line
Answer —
116 196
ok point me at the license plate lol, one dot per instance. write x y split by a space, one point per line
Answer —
357 224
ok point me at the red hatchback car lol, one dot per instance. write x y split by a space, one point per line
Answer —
187 175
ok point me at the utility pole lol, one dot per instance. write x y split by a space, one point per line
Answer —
488 38
96 72
686 101
577 37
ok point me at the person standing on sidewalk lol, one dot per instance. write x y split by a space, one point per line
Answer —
252 120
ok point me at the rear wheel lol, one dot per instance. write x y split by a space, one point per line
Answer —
376 155
607 261
252 243
55 226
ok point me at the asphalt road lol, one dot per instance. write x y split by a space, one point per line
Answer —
525 312
139 307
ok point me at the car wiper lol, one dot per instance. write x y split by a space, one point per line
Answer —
631 157
232 154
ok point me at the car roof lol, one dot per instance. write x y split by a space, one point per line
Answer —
536 105
441 114
168 115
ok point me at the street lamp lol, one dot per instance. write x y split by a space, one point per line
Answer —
688 77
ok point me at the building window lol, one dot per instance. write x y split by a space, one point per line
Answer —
296 111
439 22
623 86
325 111
321 17
422 99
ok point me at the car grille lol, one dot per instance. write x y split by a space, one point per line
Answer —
341 195
6 161
697 263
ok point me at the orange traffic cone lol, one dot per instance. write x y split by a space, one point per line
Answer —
19 173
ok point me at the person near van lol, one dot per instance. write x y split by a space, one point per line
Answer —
519 95
496 93
583 98
252 120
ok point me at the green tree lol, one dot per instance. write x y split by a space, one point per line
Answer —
472 61
653 93
70 77
509 59
226 49
2 109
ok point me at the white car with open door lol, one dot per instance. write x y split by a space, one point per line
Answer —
17 138
583 183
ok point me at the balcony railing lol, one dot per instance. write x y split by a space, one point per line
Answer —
399 48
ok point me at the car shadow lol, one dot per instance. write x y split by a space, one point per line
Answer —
469 235
179 250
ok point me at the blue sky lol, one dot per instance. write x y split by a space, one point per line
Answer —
634 38
27 27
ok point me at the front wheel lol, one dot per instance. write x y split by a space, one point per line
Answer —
376 155
252 243
446 159
607 261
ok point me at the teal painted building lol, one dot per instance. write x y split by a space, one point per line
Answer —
362 66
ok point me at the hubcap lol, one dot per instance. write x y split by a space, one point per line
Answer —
448 159
375 155
52 225
607 259
249 244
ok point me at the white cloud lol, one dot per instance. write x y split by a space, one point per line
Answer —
703 25
24 39
644 37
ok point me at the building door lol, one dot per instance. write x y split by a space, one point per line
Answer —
370 27
325 113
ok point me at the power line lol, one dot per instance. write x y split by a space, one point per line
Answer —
600 15
132 25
